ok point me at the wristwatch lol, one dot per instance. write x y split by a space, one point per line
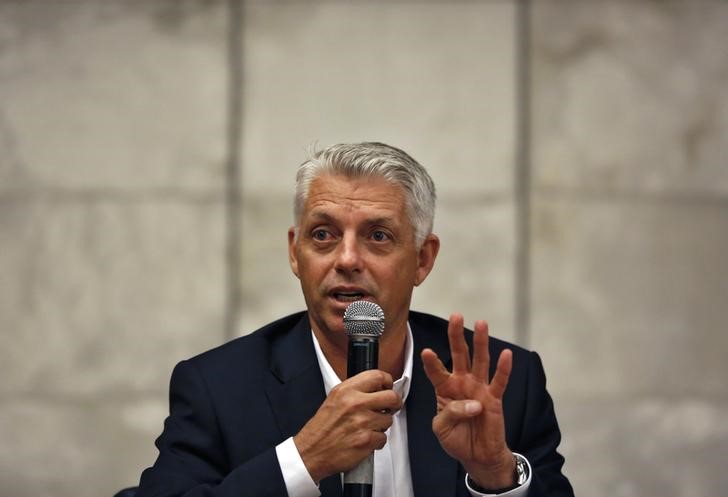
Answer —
521 469
520 475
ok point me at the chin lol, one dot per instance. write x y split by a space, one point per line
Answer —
331 323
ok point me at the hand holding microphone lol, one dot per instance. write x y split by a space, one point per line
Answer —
351 422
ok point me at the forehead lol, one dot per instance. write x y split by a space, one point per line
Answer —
333 194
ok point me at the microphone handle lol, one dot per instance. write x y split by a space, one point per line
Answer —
363 355
357 490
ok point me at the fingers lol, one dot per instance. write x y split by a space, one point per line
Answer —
377 440
481 355
373 380
349 425
369 390
461 364
380 421
386 401
435 370
458 347
465 377
368 411
502 373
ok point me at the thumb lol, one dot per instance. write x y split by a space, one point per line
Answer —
458 410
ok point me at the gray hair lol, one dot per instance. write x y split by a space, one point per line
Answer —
373 159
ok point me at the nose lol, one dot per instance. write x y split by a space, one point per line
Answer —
349 256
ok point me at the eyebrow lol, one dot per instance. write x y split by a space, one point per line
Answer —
322 216
328 218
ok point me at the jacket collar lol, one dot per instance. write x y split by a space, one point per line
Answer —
433 471
295 388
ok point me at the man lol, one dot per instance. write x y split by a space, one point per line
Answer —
269 415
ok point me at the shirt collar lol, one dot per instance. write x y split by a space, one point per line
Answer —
401 385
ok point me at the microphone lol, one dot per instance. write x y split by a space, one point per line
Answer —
364 324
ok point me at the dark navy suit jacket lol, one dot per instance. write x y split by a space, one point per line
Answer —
230 407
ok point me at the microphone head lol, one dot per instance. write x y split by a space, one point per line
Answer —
364 319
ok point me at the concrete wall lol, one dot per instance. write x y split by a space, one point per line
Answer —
147 153
630 234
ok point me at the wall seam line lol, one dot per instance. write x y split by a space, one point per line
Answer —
522 176
233 176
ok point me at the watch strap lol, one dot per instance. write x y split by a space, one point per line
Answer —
521 474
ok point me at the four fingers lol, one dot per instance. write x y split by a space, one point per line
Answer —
479 368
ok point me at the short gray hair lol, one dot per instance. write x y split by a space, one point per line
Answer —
373 159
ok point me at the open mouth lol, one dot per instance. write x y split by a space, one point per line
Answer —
347 296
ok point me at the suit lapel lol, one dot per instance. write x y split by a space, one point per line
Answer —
433 471
295 388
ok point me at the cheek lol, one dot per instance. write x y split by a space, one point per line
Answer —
311 271
401 273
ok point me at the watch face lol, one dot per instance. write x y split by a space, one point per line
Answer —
521 470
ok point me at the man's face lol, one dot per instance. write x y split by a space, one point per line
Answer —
356 242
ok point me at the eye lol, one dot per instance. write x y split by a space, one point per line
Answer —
380 236
320 235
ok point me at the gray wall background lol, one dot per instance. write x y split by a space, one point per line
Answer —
147 154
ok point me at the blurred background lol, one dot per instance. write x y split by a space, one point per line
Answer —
147 156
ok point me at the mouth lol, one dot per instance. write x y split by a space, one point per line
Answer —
347 295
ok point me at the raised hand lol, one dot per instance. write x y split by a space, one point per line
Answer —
469 423
349 425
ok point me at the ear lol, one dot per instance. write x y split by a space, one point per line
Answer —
292 258
426 257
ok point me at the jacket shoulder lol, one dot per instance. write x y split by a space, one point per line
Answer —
250 350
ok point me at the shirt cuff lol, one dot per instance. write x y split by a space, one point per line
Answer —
298 482
520 491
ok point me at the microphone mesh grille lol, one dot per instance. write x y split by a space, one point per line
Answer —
364 318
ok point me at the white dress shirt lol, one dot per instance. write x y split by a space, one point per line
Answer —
392 477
